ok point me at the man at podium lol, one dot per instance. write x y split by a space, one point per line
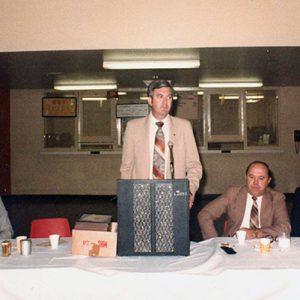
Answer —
160 146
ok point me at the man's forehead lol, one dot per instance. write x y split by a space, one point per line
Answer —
258 167
163 90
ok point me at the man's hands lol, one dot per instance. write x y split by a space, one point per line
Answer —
191 200
253 233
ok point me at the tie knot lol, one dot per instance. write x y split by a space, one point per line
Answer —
159 124
254 198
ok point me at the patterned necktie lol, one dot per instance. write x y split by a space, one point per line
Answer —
254 223
159 153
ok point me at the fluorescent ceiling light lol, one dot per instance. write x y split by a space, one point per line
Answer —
254 98
151 59
170 64
77 87
230 84
185 88
229 97
145 98
86 81
94 98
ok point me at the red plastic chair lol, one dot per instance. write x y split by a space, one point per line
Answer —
42 228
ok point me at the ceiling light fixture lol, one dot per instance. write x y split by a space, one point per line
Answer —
145 98
86 81
254 98
78 87
94 98
151 64
229 97
151 59
122 93
231 84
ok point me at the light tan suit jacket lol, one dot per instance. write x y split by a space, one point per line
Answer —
136 156
274 217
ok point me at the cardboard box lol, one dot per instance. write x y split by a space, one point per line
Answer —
95 243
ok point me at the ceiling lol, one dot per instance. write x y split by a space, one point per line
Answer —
275 66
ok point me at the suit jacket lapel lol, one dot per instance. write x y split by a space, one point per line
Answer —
241 204
172 132
145 144
266 208
173 139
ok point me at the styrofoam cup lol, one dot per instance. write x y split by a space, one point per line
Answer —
54 240
241 235
18 240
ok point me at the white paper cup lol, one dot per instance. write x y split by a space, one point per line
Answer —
241 235
265 245
284 243
18 241
54 240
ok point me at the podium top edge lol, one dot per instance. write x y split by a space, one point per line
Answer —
153 180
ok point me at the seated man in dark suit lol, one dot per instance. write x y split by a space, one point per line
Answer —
255 207
295 215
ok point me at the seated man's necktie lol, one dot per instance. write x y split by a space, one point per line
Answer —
159 153
254 222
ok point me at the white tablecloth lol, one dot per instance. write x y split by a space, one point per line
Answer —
208 273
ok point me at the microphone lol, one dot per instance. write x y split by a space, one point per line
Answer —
170 145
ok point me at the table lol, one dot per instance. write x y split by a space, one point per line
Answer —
208 273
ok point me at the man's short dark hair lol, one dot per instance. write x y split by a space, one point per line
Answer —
259 162
157 84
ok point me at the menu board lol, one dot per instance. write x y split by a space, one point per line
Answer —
59 107
132 110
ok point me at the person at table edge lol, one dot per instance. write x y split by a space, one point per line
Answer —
6 231
237 203
137 154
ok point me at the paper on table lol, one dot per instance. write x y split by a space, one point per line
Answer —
47 243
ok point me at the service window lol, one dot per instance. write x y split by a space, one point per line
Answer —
189 105
97 126
59 115
262 116
225 118
59 132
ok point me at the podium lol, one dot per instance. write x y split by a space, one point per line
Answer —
153 217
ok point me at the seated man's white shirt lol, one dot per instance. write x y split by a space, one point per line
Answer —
247 213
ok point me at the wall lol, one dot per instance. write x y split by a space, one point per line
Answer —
103 24
91 24
37 173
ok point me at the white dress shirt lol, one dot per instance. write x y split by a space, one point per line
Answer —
152 132
247 213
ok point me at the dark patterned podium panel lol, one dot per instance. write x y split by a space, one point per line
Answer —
153 217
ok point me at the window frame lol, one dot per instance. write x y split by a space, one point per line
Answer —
242 123
225 138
